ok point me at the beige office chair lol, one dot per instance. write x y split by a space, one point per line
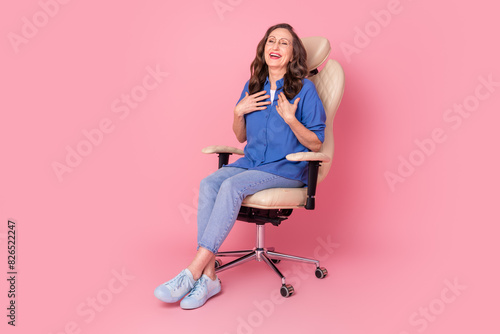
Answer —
275 205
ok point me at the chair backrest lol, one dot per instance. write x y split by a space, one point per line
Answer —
329 83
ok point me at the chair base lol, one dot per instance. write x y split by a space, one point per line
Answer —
270 257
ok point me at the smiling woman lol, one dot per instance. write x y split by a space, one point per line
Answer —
292 121
288 61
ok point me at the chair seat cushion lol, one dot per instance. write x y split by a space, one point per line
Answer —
277 198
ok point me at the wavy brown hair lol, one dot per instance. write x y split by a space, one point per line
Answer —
296 70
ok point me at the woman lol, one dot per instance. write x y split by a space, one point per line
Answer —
279 112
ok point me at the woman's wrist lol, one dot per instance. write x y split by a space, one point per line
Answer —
291 120
237 114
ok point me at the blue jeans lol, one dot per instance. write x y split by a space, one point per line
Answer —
221 194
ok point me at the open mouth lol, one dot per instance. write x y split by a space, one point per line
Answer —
274 55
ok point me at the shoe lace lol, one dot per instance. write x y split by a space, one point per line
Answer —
180 281
198 287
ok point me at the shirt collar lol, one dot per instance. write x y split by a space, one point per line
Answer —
279 83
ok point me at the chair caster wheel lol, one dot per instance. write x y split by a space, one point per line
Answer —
275 261
218 263
321 272
286 290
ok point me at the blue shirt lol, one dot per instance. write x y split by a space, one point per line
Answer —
270 139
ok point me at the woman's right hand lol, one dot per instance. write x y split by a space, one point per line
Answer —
251 103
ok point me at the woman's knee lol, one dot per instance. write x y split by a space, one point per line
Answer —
231 186
210 181
205 182
210 185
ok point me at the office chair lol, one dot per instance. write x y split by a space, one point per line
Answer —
276 205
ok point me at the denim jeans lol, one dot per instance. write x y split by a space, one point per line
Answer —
221 194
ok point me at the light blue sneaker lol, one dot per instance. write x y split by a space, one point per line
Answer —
173 290
203 289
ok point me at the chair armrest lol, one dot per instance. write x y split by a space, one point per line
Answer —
308 156
223 151
314 159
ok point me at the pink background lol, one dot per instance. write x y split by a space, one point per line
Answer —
129 206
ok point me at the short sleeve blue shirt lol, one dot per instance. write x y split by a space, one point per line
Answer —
270 139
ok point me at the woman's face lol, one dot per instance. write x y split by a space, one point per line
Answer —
278 51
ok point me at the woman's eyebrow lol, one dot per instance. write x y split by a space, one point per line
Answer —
277 37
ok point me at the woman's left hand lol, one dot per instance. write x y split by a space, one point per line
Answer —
286 109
